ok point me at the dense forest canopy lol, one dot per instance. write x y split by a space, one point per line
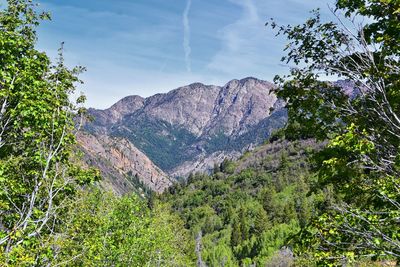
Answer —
247 210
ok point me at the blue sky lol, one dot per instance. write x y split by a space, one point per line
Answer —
143 47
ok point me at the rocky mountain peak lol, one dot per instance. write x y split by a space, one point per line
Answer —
242 103
116 112
248 82
194 126
128 104
196 85
204 109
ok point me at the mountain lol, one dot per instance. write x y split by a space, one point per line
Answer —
192 127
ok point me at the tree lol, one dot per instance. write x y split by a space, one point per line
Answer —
236 235
38 167
360 117
102 229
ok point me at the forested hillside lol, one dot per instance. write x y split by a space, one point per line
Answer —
246 211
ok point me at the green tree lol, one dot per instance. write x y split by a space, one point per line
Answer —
236 235
38 169
244 226
266 196
261 222
227 166
359 116
102 229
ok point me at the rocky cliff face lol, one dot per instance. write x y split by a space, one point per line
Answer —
123 167
190 128
207 109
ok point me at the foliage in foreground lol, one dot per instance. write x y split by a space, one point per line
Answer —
49 216
361 120
102 229
38 170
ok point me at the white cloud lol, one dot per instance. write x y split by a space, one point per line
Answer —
242 44
248 48
186 36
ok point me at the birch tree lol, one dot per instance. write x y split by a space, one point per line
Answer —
38 169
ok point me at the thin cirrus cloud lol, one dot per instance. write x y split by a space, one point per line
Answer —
186 36
144 47
250 48
240 41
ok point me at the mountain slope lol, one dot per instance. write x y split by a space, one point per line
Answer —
124 167
246 210
190 128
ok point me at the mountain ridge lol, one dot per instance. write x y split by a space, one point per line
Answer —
192 127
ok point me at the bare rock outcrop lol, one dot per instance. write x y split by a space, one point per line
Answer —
120 162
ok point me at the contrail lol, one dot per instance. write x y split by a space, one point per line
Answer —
186 36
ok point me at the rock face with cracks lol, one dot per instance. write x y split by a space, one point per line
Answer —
188 129
120 162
